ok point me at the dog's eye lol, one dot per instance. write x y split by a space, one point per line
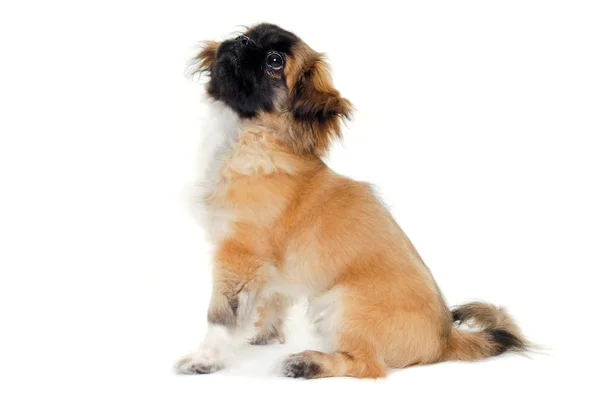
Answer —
275 61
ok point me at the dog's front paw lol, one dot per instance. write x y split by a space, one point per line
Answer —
204 361
269 337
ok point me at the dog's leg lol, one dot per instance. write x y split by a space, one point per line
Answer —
271 317
232 305
315 364
355 354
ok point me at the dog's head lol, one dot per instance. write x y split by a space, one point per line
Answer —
269 73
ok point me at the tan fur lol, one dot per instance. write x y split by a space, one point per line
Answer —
271 319
298 227
470 346
322 231
208 55
311 87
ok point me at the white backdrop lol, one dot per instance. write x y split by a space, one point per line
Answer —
477 121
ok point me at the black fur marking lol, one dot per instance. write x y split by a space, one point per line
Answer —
456 315
239 77
303 369
234 304
505 340
269 35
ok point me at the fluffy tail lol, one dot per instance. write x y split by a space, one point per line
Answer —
498 333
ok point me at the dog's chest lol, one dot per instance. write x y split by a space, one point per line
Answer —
238 184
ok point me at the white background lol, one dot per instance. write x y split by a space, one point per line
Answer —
478 121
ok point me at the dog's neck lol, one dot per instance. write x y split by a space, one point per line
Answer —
234 146
240 155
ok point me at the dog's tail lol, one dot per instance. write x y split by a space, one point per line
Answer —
498 333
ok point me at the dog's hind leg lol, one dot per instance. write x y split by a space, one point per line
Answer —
315 364
354 352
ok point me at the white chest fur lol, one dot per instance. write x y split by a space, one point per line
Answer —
232 150
220 132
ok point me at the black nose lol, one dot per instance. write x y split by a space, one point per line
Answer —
244 40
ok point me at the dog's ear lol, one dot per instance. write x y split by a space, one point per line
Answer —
206 59
317 108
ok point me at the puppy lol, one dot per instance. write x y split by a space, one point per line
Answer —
284 226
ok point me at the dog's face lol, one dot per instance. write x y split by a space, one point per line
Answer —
269 72
248 72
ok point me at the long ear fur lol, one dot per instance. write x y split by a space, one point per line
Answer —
205 60
317 108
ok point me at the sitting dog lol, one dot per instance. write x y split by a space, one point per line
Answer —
286 226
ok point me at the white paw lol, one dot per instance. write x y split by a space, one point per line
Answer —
204 361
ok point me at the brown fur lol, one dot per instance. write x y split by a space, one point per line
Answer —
208 55
309 116
296 224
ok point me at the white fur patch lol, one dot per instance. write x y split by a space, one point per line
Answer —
325 315
220 133
215 352
223 347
